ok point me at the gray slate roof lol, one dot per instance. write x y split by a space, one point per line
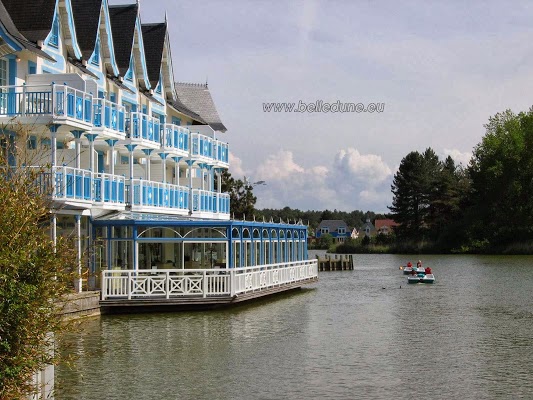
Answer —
154 35
333 224
86 17
179 106
32 18
123 18
9 25
196 97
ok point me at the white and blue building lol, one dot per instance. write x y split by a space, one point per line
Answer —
132 158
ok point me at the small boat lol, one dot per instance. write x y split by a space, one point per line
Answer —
421 278
408 270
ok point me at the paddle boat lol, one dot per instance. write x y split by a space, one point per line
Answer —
421 278
408 270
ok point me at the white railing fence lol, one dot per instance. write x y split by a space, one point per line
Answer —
175 283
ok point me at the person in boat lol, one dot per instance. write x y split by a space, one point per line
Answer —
419 264
427 270
413 272
409 264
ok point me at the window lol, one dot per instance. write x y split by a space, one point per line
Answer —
159 84
129 73
32 68
324 230
32 143
96 55
341 230
54 36
176 121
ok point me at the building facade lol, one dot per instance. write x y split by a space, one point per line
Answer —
337 228
133 159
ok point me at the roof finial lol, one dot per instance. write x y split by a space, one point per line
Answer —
166 19
206 79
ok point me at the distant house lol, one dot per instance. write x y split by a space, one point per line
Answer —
368 228
336 228
385 226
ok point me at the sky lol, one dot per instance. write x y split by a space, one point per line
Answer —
440 68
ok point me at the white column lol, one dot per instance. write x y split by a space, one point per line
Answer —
78 283
78 153
53 145
164 168
148 167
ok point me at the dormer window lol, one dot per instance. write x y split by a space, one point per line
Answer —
159 84
129 75
54 36
324 230
96 55
342 230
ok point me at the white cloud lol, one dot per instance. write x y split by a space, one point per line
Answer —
351 181
368 168
458 156
235 166
278 166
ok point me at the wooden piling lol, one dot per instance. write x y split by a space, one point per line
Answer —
335 262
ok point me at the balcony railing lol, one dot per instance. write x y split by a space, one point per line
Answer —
109 115
144 127
109 188
175 137
157 194
212 202
60 101
72 183
222 152
202 146
67 183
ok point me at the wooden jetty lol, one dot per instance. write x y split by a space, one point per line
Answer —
335 262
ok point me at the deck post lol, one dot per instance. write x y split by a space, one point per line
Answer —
232 282
104 285
128 285
204 284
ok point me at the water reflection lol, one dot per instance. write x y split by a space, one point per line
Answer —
356 334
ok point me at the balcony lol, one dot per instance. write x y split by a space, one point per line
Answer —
109 189
202 147
109 118
205 201
82 186
47 104
158 196
144 130
222 153
175 139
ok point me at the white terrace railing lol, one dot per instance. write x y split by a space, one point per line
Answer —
179 283
60 101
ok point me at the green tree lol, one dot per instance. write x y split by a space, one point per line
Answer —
34 277
242 199
501 172
325 241
408 202
415 191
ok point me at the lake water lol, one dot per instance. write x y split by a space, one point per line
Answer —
362 334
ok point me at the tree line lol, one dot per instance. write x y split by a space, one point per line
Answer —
484 207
